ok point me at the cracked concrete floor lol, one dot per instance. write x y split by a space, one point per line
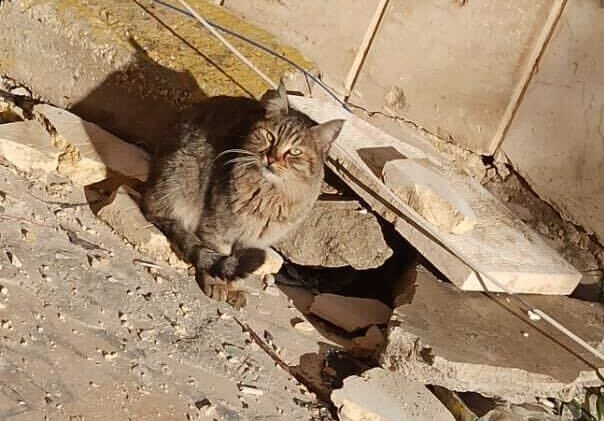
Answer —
86 333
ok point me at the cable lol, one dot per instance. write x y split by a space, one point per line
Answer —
264 48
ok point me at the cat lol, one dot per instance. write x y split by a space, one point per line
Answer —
241 174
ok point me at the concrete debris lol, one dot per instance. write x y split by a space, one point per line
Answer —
454 404
368 345
27 145
350 313
429 194
9 113
382 396
271 265
123 214
88 154
107 341
500 244
302 325
472 342
336 234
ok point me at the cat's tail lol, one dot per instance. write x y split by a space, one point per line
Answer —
240 264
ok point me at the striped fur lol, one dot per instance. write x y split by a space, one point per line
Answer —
240 174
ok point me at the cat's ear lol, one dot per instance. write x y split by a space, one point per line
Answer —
326 133
275 101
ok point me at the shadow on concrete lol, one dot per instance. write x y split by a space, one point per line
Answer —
121 104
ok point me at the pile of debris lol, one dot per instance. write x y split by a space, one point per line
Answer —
385 326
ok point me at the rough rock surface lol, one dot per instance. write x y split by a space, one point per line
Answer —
350 313
88 333
383 396
336 234
468 341
129 66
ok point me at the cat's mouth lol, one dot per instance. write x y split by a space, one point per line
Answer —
271 174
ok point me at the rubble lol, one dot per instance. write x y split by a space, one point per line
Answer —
271 265
108 341
27 145
337 233
368 345
382 396
89 154
429 194
350 313
500 244
472 342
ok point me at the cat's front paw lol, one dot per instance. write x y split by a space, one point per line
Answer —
211 286
237 298
217 289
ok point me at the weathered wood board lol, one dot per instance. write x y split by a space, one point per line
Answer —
500 244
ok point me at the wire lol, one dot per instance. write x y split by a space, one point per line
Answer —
227 44
264 48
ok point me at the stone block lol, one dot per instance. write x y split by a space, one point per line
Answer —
27 145
337 234
382 396
466 341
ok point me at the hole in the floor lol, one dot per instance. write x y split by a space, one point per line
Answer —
378 283
488 160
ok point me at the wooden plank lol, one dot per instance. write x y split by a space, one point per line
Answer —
500 244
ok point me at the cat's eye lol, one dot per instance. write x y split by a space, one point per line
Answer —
294 152
270 138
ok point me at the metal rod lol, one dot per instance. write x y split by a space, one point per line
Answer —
227 44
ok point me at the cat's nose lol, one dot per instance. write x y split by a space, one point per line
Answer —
270 160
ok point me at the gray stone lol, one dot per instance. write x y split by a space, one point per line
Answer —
382 396
337 234
466 341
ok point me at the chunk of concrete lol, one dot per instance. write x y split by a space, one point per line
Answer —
27 145
368 345
123 214
382 396
337 234
350 313
88 153
467 341
429 194
272 264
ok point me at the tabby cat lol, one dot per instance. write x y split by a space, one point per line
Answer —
241 174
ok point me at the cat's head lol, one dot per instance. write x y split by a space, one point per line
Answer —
288 145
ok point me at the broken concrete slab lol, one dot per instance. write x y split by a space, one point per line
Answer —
350 313
429 194
467 341
383 396
27 145
89 153
129 66
337 233
111 342
499 244
271 265
124 215
368 345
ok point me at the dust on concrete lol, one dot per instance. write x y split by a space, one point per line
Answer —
86 332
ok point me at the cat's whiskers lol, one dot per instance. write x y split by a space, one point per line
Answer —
242 160
234 151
